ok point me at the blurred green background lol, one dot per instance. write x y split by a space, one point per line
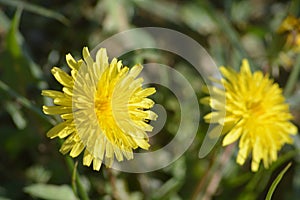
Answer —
36 35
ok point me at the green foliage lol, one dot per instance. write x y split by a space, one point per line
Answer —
35 35
50 192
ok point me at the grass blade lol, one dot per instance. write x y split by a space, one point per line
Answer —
292 78
24 101
276 181
37 9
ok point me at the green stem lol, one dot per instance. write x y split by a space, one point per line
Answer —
75 176
292 78
37 9
82 192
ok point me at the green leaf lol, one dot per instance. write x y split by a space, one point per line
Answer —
23 101
276 181
13 39
15 65
168 189
261 178
16 114
50 192
116 15
37 9
197 19
4 21
3 198
164 9
38 173
173 185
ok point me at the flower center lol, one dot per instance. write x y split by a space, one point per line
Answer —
255 109
103 107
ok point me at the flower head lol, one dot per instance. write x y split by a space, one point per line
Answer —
290 23
291 26
255 114
104 109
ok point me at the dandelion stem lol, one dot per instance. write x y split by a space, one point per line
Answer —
203 180
217 175
292 78
74 187
75 175
214 175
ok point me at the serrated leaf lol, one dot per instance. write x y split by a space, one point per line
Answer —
50 192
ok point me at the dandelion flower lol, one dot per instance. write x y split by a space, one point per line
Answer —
254 113
290 23
103 107
291 26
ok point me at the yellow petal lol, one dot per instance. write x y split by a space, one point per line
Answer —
67 116
87 58
118 153
135 70
245 68
97 164
52 94
142 143
128 154
205 100
99 148
291 129
56 110
72 62
232 136
67 145
53 132
77 149
151 115
87 158
102 60
146 92
257 155
62 77
64 101
243 152
68 91
215 117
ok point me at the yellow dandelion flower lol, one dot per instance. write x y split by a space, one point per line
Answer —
104 109
255 114
291 25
